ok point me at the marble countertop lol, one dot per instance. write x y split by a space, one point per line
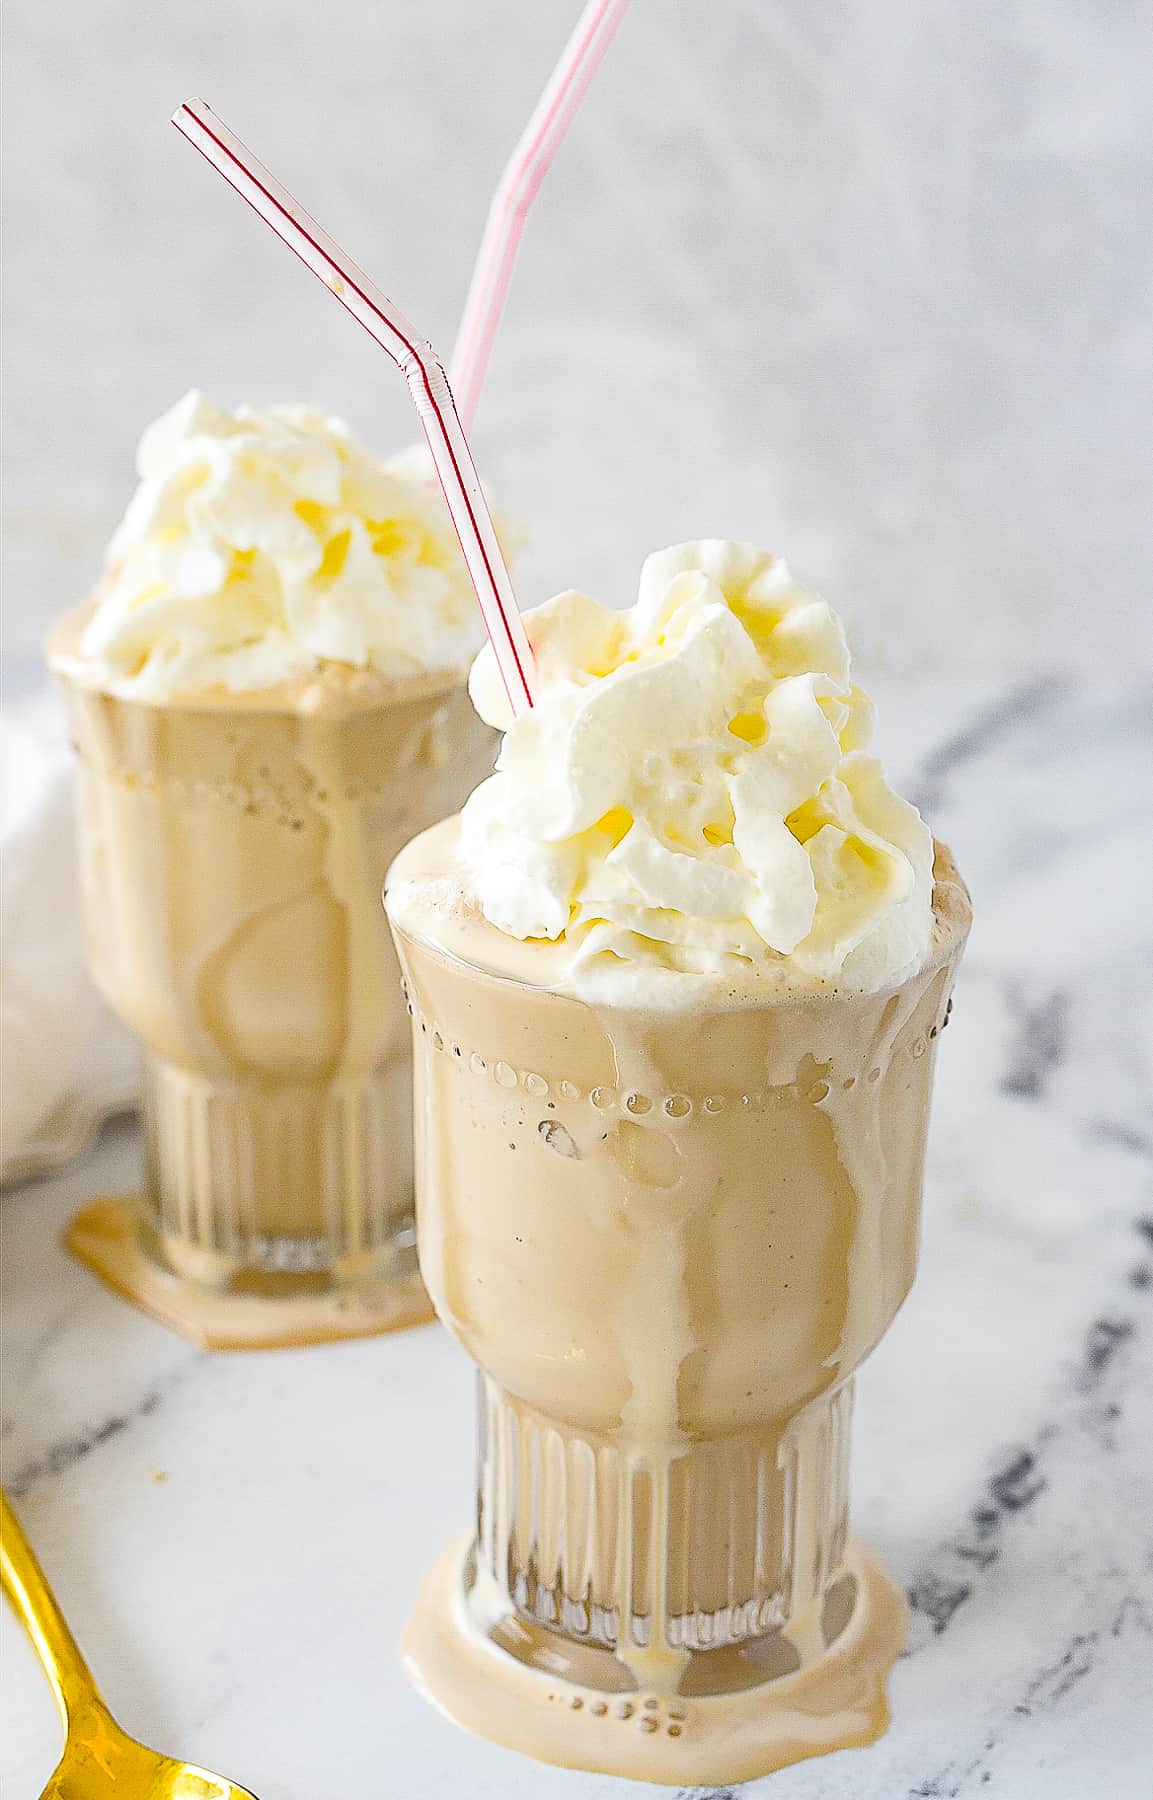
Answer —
238 1538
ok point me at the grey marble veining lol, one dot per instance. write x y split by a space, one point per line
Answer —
239 1538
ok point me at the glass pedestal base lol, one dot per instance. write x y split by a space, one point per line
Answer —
219 1306
273 1213
473 1666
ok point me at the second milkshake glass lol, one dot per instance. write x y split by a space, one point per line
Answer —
230 855
668 1241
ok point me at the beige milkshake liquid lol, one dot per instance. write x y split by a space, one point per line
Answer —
231 854
677 977
668 1240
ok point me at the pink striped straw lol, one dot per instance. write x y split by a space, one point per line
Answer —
517 189
417 361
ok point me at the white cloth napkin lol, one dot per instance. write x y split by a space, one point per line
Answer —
65 1063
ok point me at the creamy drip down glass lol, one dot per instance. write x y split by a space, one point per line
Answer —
668 1183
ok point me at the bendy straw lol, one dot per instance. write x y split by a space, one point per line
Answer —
515 193
417 361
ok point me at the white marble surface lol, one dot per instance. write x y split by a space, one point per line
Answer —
238 1538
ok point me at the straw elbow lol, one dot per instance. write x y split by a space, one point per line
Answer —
425 375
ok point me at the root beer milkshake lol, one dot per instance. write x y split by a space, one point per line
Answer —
677 976
267 699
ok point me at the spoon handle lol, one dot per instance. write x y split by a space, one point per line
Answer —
34 1603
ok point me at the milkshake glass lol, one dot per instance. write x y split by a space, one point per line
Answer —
234 829
668 1241
230 859
668 1220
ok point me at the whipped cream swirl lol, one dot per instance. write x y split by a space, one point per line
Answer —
691 790
262 543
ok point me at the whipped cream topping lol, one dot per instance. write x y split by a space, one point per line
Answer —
691 790
263 543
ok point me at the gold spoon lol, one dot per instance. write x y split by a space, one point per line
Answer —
99 1759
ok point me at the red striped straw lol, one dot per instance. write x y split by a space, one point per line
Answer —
518 188
417 361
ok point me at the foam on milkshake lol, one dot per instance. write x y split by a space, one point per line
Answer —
692 793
